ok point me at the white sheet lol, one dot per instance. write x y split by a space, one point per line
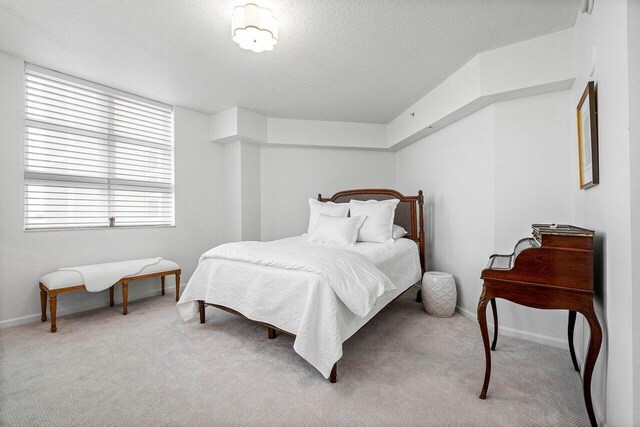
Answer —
98 277
299 301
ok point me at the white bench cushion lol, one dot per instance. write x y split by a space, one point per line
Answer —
67 279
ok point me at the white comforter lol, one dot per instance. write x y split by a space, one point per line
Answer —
356 281
319 292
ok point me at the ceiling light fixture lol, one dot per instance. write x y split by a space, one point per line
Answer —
254 28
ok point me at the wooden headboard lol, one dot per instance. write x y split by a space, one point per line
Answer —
409 213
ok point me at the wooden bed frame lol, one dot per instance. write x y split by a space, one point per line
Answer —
409 215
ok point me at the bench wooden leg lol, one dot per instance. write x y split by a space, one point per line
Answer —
177 286
43 304
111 289
53 303
334 373
125 297
271 333
162 283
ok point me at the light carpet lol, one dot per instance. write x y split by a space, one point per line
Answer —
404 368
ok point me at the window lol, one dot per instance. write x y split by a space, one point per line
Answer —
94 156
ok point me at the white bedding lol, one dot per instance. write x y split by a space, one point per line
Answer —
301 302
98 277
356 281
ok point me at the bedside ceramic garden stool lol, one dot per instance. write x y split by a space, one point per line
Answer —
439 294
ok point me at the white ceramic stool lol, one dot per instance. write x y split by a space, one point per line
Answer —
439 294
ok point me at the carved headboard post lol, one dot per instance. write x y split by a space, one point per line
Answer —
319 197
421 231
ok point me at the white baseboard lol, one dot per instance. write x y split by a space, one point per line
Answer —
597 411
78 309
516 333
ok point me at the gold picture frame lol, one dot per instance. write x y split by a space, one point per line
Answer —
587 115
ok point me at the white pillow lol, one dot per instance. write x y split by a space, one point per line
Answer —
339 210
341 231
378 227
398 232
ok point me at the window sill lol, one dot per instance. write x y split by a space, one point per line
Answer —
134 227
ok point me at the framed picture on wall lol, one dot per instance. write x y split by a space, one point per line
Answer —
588 138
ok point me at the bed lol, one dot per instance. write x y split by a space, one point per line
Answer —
252 282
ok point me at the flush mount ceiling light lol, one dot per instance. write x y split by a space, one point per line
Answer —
254 28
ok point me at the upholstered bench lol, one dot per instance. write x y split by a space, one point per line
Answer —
65 281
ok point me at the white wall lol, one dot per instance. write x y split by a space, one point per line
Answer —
454 168
290 176
633 39
487 178
25 256
231 196
240 197
250 191
606 208
533 184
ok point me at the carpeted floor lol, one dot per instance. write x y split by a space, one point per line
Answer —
403 368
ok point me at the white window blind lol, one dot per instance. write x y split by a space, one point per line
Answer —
93 153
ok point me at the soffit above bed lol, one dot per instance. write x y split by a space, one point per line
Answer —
541 65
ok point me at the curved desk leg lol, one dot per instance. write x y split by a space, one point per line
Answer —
495 323
482 320
595 341
572 323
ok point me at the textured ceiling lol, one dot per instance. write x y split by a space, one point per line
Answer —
345 60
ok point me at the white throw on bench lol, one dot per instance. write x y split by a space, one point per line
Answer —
98 277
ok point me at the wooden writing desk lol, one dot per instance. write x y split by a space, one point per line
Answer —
552 270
